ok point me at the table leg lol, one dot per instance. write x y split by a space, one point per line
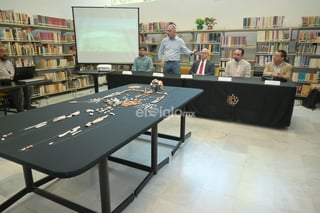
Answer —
96 83
104 186
28 178
154 149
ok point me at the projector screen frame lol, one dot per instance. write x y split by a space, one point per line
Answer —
135 51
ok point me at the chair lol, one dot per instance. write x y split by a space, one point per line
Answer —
4 103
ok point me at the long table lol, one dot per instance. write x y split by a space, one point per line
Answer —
246 100
33 140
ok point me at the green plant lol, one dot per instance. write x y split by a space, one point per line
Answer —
199 21
210 21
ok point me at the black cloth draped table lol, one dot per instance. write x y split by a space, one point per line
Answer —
48 150
246 100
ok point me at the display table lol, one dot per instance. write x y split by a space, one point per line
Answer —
257 103
66 148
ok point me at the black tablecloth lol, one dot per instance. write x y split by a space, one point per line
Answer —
259 104
72 155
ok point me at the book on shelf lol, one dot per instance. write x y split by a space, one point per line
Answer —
9 16
207 37
273 35
262 60
309 21
308 48
23 62
56 76
228 41
153 26
314 63
305 90
50 21
262 22
310 77
312 36
55 37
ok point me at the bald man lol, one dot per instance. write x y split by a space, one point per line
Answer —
203 66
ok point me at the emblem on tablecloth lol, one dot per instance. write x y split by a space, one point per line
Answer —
232 100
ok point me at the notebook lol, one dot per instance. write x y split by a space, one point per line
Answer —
22 73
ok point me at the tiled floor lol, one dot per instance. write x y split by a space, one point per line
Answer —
224 167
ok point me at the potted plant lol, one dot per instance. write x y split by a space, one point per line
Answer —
200 22
210 22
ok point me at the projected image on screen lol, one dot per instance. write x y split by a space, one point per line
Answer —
106 35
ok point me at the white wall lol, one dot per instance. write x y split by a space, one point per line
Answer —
229 13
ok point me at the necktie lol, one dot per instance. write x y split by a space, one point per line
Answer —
201 68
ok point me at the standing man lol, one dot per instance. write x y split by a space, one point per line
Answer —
142 62
203 66
238 67
171 46
278 67
21 97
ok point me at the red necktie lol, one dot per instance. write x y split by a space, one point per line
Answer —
201 68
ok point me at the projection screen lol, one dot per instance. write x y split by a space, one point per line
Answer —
106 34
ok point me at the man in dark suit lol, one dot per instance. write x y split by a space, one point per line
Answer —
203 66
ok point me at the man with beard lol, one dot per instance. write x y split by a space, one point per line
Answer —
142 62
21 96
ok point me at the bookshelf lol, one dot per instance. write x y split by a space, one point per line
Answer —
301 44
47 43
270 40
306 64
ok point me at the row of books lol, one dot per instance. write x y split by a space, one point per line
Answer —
51 89
309 36
262 60
309 48
56 76
23 62
303 90
213 48
81 82
148 39
18 34
52 49
9 16
33 49
22 49
207 37
273 35
306 61
56 37
52 21
310 21
55 63
227 54
305 77
263 22
233 41
154 26
270 48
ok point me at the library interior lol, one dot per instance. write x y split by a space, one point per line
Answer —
159 106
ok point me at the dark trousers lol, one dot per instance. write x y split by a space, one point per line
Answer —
21 97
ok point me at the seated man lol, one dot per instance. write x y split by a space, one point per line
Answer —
278 67
203 66
238 67
142 62
21 97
